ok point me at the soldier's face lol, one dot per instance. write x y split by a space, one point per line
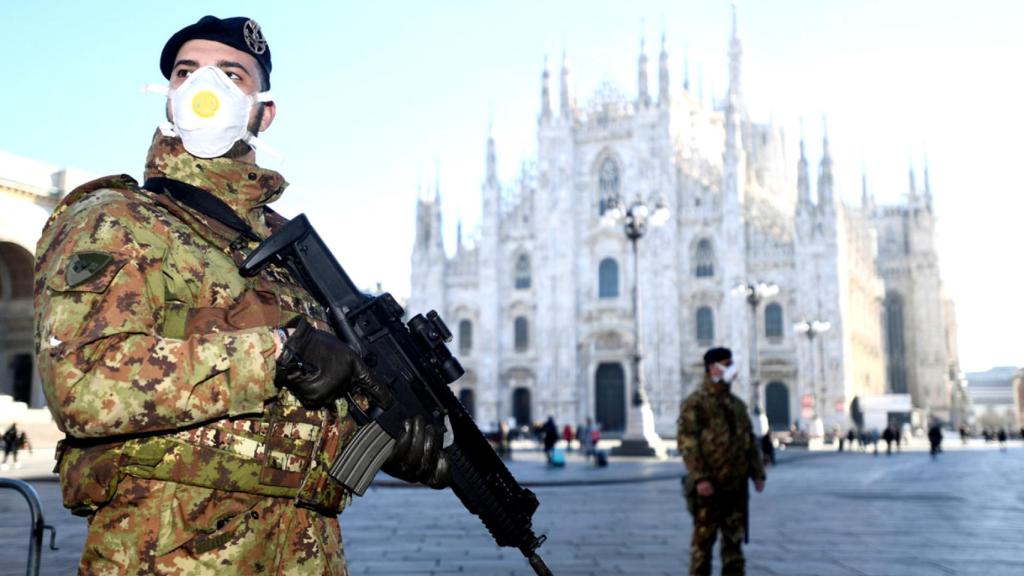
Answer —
718 368
239 66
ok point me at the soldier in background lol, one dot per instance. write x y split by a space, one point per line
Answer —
201 409
717 442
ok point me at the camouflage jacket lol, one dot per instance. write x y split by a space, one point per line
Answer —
152 347
716 438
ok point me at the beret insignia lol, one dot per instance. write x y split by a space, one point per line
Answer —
254 37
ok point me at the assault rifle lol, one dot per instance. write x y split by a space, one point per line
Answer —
415 367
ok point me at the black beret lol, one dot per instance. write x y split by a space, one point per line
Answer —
239 32
716 355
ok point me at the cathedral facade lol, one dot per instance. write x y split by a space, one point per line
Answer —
541 303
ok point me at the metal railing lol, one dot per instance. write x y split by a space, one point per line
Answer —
38 526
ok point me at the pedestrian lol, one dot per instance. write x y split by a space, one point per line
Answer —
595 436
1001 436
717 443
202 409
584 435
898 433
567 435
850 436
874 439
888 437
23 443
549 433
11 444
935 439
504 442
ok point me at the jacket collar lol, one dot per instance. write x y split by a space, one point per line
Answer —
245 188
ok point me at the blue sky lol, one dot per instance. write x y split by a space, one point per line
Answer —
375 97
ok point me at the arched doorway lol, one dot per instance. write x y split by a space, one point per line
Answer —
521 407
16 264
776 399
610 397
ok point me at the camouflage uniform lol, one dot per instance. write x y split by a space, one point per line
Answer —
157 361
717 443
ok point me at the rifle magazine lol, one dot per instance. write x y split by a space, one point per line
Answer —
357 465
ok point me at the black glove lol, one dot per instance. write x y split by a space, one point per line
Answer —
418 457
318 368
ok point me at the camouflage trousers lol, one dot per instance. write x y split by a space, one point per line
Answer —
721 513
156 527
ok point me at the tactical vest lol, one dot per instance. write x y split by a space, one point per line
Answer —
285 452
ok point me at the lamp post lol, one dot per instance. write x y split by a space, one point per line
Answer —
812 328
755 293
640 439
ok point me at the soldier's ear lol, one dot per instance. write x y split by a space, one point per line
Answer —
269 112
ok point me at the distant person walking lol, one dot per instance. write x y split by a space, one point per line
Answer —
935 439
850 437
550 434
586 445
874 439
567 435
888 436
1001 436
717 443
504 440
11 446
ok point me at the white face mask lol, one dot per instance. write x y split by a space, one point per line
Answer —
728 373
211 113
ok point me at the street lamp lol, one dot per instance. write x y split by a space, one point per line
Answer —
755 293
640 439
812 328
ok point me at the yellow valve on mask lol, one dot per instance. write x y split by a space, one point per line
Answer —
205 104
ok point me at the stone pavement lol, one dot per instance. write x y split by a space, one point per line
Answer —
822 514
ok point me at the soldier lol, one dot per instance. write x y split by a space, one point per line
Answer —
201 409
717 442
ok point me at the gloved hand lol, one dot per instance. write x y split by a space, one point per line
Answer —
317 367
418 457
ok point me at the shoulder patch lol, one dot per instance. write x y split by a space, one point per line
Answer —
84 266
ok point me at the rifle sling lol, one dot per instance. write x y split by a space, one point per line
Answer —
203 202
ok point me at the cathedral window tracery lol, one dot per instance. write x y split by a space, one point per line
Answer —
773 323
705 325
521 336
608 278
465 337
522 272
608 182
704 259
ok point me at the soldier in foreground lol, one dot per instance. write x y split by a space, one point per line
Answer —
202 409
717 442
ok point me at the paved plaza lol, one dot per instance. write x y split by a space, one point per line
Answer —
822 514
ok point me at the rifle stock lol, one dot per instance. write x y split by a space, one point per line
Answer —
413 367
